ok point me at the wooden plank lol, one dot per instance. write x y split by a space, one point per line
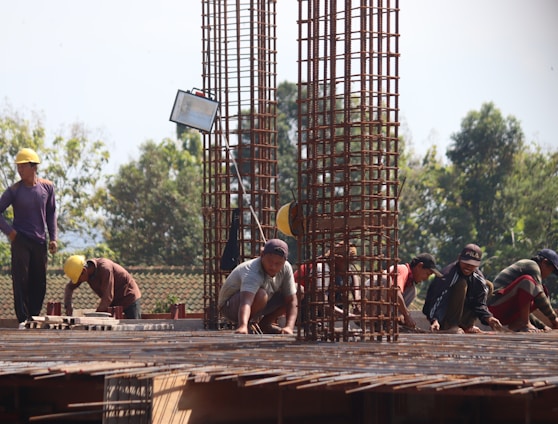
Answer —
167 392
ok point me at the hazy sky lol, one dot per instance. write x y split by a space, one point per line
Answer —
115 65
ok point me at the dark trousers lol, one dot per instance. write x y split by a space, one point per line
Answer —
458 314
29 264
134 310
455 310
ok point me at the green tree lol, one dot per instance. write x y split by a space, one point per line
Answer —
419 199
287 166
17 132
533 190
154 205
531 194
73 162
286 139
483 155
75 166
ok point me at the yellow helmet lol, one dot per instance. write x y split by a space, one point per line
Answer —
289 219
26 155
282 220
74 267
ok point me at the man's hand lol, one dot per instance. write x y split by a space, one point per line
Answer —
52 247
495 324
409 322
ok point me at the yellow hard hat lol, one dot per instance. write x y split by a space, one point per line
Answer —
290 219
282 220
27 155
74 267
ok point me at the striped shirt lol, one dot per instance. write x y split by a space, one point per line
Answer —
530 268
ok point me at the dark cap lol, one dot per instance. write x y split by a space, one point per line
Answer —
277 247
471 254
428 262
551 256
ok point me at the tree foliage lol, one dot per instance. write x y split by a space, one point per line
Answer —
286 140
75 167
153 205
73 162
483 155
495 192
17 132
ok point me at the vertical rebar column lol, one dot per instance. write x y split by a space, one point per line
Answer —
348 167
240 157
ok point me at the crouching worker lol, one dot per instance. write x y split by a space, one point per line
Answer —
260 290
408 276
454 301
519 291
110 281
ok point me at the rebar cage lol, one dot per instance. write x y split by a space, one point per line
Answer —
348 166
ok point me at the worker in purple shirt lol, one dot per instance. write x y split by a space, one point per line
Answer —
34 210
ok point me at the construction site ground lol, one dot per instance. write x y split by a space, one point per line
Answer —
188 375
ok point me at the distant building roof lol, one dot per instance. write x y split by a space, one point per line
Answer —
156 285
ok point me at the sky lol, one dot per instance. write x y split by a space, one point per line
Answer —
115 65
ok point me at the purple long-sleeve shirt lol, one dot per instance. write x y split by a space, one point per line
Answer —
34 210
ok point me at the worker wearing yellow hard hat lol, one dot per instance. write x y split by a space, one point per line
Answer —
289 219
109 280
27 155
282 220
74 267
32 233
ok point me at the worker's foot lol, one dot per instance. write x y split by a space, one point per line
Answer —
22 325
523 327
528 329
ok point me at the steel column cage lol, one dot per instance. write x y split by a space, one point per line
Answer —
239 69
348 166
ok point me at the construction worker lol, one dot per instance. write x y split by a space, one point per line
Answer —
456 299
34 208
110 281
261 290
519 291
409 275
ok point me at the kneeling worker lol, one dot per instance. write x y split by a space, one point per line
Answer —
110 281
261 290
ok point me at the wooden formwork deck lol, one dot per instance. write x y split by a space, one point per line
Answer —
489 366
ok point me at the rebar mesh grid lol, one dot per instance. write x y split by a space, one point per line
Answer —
348 167
240 157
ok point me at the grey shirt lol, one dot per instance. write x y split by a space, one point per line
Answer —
250 276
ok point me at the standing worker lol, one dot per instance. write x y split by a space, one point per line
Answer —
110 281
34 207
